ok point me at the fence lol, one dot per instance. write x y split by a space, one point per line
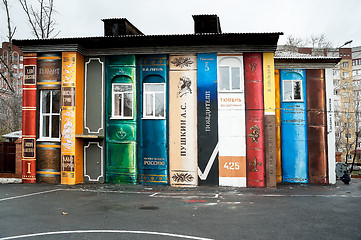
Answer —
7 157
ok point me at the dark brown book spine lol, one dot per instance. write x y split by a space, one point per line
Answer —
316 126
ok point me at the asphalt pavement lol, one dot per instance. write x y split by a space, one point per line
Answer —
106 211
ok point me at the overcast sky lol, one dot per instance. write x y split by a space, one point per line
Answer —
339 20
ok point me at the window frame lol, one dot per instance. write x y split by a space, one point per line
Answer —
240 89
50 115
301 90
153 93
122 102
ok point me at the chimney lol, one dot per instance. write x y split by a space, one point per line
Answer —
206 24
119 26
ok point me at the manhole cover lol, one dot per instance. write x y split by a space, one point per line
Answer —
149 208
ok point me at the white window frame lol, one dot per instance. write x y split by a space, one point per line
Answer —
153 93
301 90
50 115
113 102
230 79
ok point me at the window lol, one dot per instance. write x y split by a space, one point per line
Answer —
345 75
122 104
292 90
347 125
154 100
349 156
346 94
345 64
335 92
347 115
230 78
347 135
346 104
49 115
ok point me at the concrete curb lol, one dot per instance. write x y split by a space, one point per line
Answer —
10 180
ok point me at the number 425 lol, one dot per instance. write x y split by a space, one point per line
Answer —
231 165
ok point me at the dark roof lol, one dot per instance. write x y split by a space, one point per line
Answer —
245 42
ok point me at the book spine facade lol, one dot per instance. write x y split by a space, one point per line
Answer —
207 109
48 145
231 121
153 130
294 126
253 81
183 169
278 126
331 137
29 119
316 126
72 118
121 119
269 92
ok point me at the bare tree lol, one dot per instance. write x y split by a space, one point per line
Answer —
11 95
41 19
319 41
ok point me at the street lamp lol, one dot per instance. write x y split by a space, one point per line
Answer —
348 42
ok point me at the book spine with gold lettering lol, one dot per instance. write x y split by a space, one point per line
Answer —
29 119
316 126
72 118
270 119
153 121
253 81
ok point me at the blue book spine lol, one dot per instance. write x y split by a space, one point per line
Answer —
207 116
153 122
294 126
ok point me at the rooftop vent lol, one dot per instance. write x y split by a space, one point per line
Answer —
119 26
206 24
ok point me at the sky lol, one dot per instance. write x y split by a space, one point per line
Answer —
339 20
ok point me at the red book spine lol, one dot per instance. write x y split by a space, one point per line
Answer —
254 119
29 119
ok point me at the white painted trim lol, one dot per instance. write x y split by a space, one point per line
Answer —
203 176
331 142
233 181
101 162
77 232
153 93
113 104
85 93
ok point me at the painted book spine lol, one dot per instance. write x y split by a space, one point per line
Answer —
331 138
269 119
316 126
72 118
253 81
183 120
207 108
121 120
294 126
48 146
231 121
278 126
153 142
29 119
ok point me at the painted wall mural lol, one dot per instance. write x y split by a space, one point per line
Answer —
207 115
183 120
231 121
121 120
72 118
28 119
294 126
153 131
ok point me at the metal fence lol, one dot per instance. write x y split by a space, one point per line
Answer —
7 157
